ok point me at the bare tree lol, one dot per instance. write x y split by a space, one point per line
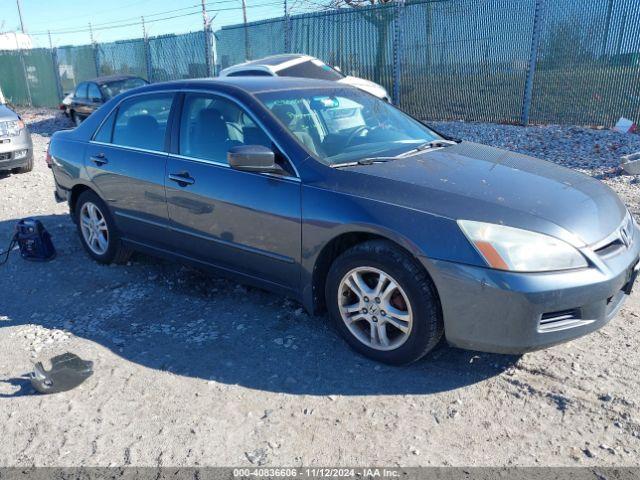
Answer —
379 18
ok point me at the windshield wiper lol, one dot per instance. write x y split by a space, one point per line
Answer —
440 143
364 161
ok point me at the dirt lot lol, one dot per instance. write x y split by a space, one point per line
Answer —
195 370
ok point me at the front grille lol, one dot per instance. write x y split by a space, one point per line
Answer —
563 319
619 240
5 156
610 248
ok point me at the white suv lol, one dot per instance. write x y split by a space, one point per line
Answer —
305 66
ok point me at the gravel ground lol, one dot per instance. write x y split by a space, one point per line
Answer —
196 370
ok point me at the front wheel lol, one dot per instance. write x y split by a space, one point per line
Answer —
27 167
75 118
383 303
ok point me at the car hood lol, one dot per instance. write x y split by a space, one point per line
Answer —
366 85
476 182
7 114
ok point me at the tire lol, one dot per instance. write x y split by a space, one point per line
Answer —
416 299
75 118
114 251
27 168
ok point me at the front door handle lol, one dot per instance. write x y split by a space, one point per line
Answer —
183 178
99 159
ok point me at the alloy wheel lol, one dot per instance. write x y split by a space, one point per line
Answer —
375 308
94 228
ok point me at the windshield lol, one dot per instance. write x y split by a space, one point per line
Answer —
111 89
311 69
344 125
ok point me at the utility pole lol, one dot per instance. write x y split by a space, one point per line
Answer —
147 51
207 42
247 54
144 30
20 15
95 50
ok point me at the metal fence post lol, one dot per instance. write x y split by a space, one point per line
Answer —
26 77
533 58
56 73
398 12
56 68
287 29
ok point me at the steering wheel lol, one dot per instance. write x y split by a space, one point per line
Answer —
357 132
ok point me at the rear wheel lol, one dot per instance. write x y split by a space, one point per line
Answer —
97 230
383 303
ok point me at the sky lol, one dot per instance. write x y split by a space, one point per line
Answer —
120 19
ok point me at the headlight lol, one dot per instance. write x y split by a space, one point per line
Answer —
516 250
11 128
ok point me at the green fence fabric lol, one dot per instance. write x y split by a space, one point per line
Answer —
359 41
466 59
123 57
41 77
174 57
75 65
508 61
588 64
262 39
13 79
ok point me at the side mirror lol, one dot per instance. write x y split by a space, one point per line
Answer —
253 158
96 100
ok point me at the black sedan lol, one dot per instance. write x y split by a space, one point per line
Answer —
92 94
338 199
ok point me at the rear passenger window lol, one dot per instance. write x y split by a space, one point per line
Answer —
250 73
104 133
141 122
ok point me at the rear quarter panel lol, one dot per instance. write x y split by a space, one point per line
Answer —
67 155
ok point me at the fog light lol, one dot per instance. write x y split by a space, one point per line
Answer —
20 154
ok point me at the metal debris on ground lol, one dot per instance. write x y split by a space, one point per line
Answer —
67 372
631 163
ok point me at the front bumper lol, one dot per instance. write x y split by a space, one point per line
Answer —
9 147
502 312
9 162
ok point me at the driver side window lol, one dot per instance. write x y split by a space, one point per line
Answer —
211 125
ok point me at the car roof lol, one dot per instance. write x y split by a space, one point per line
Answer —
111 78
274 60
249 85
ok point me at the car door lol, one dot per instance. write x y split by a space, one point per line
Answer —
79 104
126 161
239 221
94 98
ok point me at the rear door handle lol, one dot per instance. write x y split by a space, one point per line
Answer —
183 178
99 159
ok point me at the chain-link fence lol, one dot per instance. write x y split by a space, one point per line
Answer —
510 61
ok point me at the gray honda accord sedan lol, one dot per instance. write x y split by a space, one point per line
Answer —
329 195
